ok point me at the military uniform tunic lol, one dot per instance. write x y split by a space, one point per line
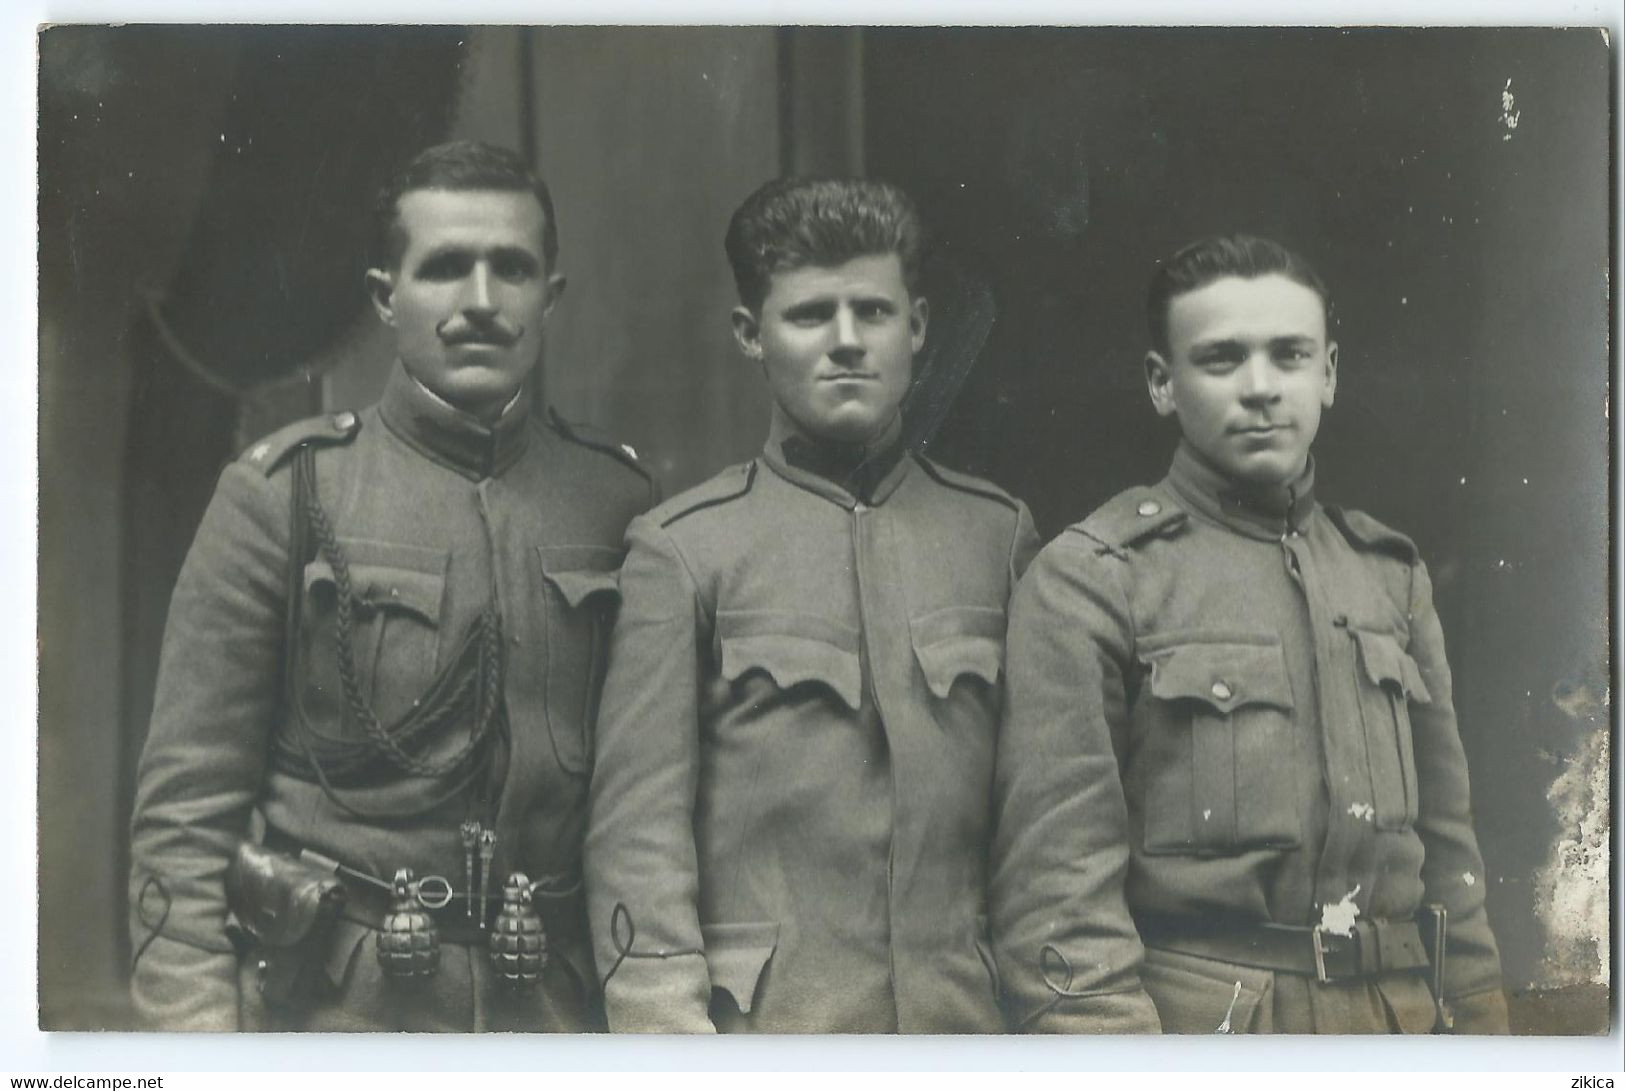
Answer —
790 813
1228 708
438 515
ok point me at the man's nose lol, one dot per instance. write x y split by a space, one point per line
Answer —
477 298
848 336
1259 380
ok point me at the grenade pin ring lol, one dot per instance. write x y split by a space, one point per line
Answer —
433 891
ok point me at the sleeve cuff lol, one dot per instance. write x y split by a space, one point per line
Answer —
1127 1012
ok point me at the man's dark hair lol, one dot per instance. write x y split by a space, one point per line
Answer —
791 223
459 165
1202 262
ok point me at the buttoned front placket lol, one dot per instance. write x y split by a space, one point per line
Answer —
480 453
1346 844
885 657
875 659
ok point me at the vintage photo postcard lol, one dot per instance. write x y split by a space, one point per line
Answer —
825 530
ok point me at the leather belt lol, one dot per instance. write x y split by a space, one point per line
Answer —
369 898
1370 949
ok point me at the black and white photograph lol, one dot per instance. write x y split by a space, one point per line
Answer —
825 530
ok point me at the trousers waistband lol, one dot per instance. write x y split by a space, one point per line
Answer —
1370 949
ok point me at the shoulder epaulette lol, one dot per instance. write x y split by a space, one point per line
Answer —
586 435
1131 517
963 482
1367 533
730 484
329 430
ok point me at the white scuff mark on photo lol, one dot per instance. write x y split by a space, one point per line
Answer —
1469 878
1510 114
1224 1027
1362 810
1572 887
1338 917
1207 814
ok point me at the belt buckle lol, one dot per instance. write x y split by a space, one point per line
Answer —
1320 955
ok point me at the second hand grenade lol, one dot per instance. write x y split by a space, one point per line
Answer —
518 941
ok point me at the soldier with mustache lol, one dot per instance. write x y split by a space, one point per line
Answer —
362 799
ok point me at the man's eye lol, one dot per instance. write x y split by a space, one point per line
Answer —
444 267
1293 354
872 311
1217 362
808 317
516 267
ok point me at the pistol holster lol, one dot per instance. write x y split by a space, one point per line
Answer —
287 907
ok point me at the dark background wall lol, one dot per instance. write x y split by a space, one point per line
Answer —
198 168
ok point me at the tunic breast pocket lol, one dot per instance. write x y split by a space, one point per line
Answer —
963 647
582 598
1386 681
392 628
802 653
1220 731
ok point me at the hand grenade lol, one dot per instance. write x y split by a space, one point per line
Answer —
518 941
408 945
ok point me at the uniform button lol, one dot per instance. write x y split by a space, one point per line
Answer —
394 592
1222 691
1148 507
344 421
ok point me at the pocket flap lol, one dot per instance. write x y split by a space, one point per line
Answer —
947 660
792 660
736 955
385 588
1225 676
1387 663
959 640
388 574
792 649
577 587
579 572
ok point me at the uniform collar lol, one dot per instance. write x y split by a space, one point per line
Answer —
847 473
1256 512
451 437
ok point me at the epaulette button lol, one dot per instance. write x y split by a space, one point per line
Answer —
1148 508
343 421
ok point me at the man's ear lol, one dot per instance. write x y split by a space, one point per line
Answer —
1159 380
381 290
919 312
556 283
1329 390
748 332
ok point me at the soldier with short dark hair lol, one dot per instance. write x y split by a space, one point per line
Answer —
361 801
790 810
1229 730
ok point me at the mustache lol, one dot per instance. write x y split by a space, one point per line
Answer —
455 331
